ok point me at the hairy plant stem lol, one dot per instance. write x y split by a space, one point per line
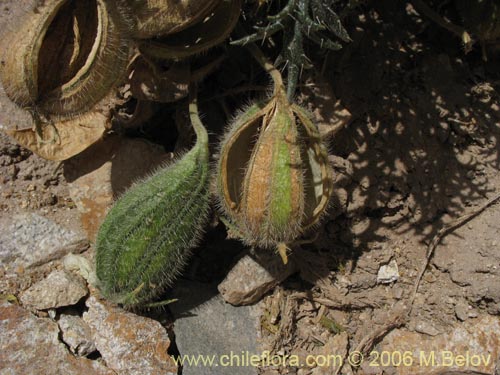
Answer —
279 86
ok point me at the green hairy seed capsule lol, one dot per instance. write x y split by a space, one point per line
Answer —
274 180
147 236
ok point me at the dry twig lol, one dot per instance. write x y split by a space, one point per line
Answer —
368 342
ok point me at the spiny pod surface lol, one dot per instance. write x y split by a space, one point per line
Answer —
274 179
153 18
199 37
64 57
147 236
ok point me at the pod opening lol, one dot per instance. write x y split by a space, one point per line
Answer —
68 44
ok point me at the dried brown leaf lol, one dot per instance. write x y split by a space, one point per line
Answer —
63 139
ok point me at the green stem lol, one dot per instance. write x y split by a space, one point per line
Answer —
267 66
201 132
279 86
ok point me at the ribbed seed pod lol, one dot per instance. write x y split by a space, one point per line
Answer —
274 180
67 56
153 18
147 236
205 34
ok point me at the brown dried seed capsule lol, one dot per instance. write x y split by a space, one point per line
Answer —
199 37
153 18
67 56
274 179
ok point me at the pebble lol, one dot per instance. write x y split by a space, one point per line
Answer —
388 273
59 288
426 328
252 277
462 311
76 334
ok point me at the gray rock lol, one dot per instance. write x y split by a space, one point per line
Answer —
59 288
130 344
76 334
426 328
388 273
30 345
206 325
252 277
29 240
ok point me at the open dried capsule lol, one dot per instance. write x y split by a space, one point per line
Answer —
147 236
67 56
153 18
199 37
274 179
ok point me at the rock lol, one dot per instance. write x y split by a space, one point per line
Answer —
129 344
103 172
462 310
30 345
252 277
206 325
475 339
332 355
52 313
76 334
388 273
59 288
29 240
366 369
426 328
82 266
398 293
